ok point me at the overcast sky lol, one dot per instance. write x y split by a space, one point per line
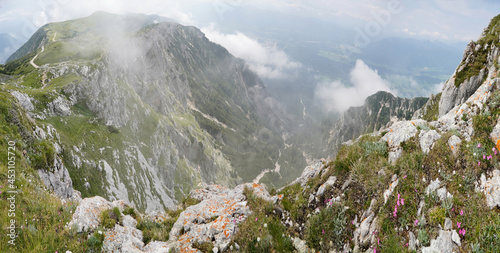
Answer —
451 20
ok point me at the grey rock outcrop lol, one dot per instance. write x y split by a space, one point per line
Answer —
454 143
453 96
491 188
216 218
87 215
442 244
24 100
321 190
363 234
309 172
58 180
427 139
397 133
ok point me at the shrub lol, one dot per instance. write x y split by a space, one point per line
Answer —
327 225
110 217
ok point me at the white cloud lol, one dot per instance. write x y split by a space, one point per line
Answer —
267 61
335 96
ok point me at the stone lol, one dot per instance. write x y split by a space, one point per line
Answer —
427 139
226 208
330 182
309 172
57 179
433 186
443 194
447 224
491 189
456 238
391 188
87 214
397 133
60 107
442 244
495 135
363 235
123 239
454 143
412 243
129 222
24 100
300 245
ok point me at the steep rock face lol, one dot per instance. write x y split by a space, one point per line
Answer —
378 110
148 111
478 58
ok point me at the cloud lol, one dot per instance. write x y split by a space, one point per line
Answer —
267 61
335 96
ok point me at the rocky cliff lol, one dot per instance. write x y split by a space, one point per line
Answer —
146 110
377 111
414 186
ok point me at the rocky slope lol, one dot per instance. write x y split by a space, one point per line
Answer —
415 186
377 111
147 110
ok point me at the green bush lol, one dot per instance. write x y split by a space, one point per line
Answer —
95 241
327 225
110 217
43 155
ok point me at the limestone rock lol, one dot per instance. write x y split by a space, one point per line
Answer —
454 142
427 139
433 186
300 245
456 238
87 215
491 188
392 186
24 100
123 239
412 243
309 172
57 179
60 107
447 224
321 190
442 244
363 235
397 133
216 217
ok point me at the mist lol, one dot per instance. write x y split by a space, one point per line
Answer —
266 60
338 97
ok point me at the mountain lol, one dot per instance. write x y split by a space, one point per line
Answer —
151 106
8 44
378 110
419 185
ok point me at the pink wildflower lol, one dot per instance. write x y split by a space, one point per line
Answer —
402 201
397 203
352 222
484 157
495 152
323 231
416 222
490 157
378 241
458 224
406 244
479 145
374 250
478 163
256 219
404 176
461 212
493 149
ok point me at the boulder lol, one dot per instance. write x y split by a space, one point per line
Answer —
216 218
321 190
442 244
491 189
427 139
87 215
454 142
